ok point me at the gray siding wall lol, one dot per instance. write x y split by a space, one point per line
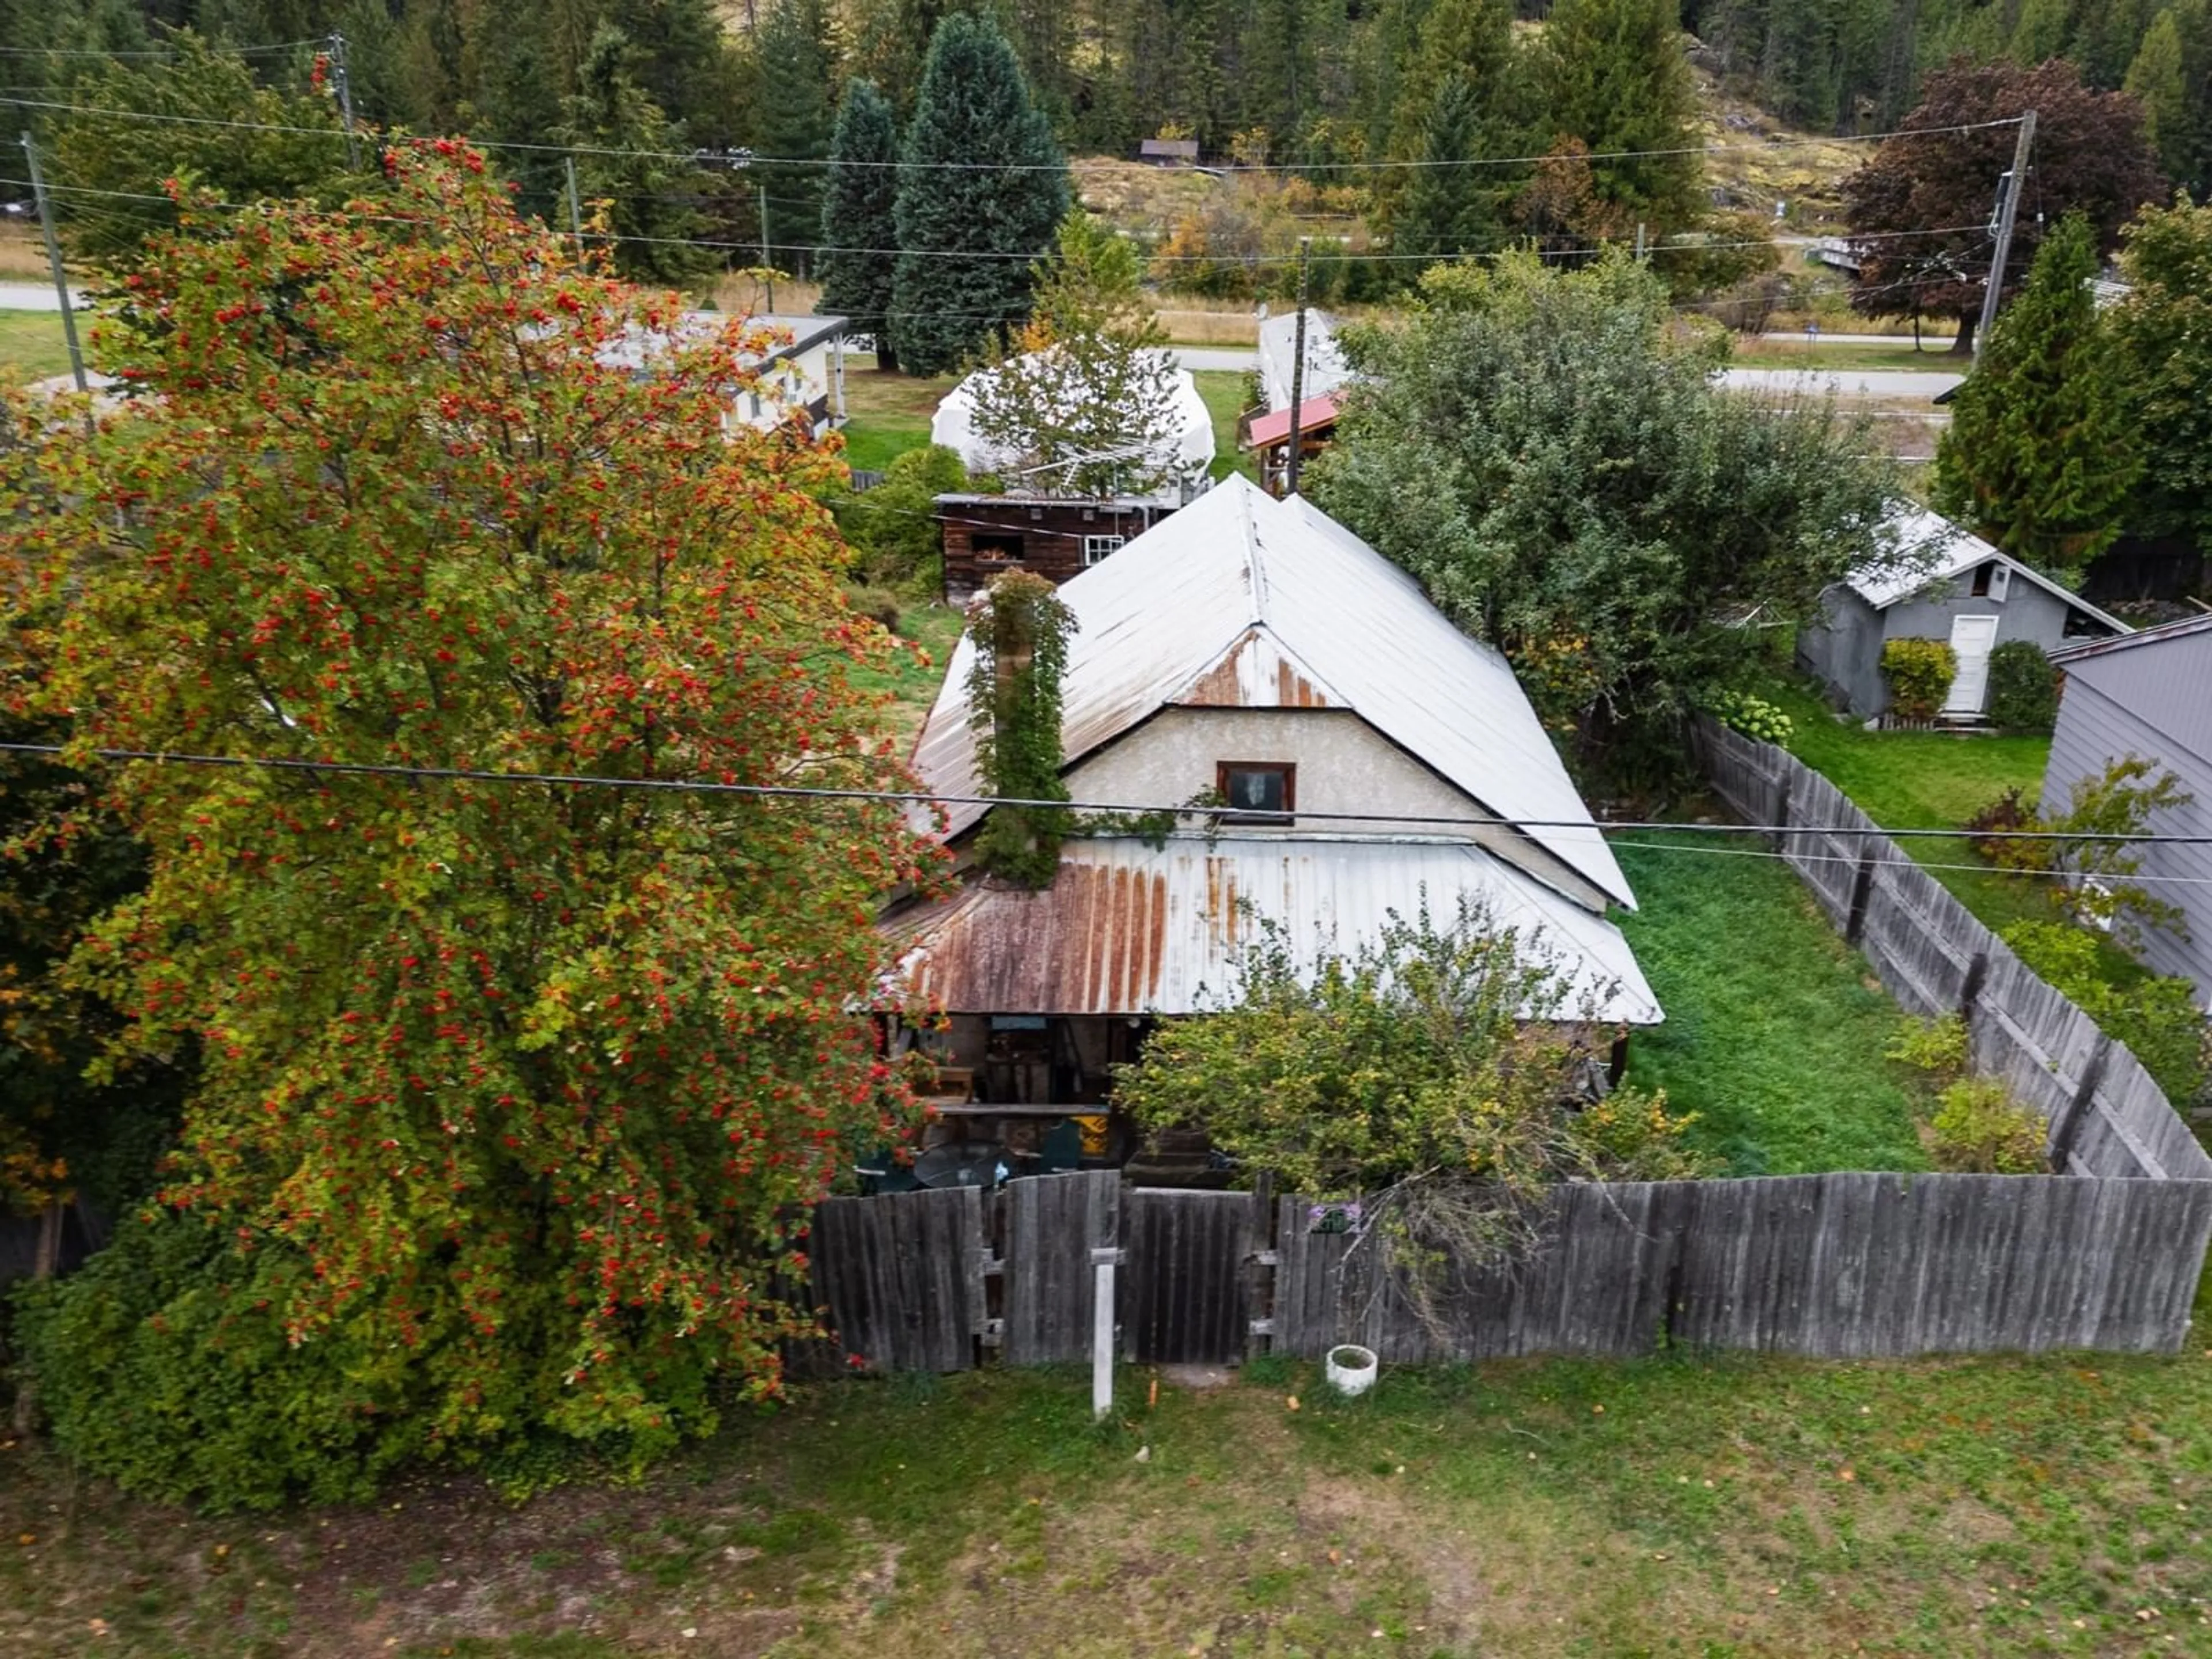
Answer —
1844 651
2169 680
2093 730
2027 612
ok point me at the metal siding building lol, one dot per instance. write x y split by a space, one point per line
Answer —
1922 595
2149 693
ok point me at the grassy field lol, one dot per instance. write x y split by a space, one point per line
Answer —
1775 1028
1677 1507
889 414
926 634
32 346
1227 395
1927 780
1798 354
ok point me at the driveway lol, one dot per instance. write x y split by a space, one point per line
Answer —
1232 358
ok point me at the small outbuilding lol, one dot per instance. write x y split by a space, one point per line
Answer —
1955 588
1056 536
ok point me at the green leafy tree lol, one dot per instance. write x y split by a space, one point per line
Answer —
893 529
1612 74
1020 629
860 233
1548 455
213 139
509 1094
2038 456
1085 403
634 193
2164 333
981 189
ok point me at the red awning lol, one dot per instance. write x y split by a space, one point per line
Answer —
1275 427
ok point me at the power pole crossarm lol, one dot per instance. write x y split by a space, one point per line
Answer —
2008 211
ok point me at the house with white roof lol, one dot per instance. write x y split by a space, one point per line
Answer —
1255 649
1950 585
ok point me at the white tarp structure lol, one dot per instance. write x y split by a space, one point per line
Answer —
1185 455
1326 369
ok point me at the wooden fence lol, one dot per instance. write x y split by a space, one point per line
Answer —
1840 1266
2106 1115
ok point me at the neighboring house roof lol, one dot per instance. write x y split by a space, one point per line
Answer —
1240 600
2141 638
637 346
1326 368
1125 928
1946 551
1184 452
1314 415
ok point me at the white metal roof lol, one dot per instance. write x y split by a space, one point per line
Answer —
1326 368
1245 601
1935 550
1184 453
1126 928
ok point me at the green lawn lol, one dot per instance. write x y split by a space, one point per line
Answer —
1228 395
1679 1507
1928 780
1775 1029
1797 353
32 347
928 633
889 414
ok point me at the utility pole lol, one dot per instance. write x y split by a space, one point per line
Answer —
345 100
1640 241
54 262
2007 209
767 263
576 204
1297 374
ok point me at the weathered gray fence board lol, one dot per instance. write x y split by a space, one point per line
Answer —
893 1273
1845 1266
1182 1298
1052 1224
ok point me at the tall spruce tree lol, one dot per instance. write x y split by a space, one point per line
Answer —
1445 210
857 262
2040 458
2164 329
636 196
1612 74
2172 75
795 117
1470 42
981 189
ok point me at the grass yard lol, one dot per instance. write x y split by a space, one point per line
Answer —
1228 395
889 414
926 632
1799 354
1775 1028
33 346
1676 1507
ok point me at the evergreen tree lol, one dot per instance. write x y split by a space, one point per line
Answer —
1445 210
1470 41
982 188
2038 458
2164 329
634 193
2172 75
795 115
1612 74
859 232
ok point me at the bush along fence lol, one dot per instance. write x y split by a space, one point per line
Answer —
2104 1256
2106 1115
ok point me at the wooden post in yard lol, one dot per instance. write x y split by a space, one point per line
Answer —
1101 1333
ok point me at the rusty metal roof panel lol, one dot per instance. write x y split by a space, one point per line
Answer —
1126 928
1268 603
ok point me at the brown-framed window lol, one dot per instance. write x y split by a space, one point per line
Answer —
1268 786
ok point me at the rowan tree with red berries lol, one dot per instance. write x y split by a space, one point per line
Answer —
512 1094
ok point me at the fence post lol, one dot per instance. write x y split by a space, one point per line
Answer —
1266 1270
2068 1129
1101 1333
1780 814
1970 994
1861 891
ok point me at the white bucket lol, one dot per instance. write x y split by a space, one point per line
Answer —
1350 1369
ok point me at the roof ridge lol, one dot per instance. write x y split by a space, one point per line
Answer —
1254 561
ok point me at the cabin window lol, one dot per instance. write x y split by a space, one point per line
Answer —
1096 547
1982 580
998 548
1268 786
1992 580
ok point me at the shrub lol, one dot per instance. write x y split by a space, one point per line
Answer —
1980 1129
2155 1016
1919 672
875 604
1934 1046
2023 687
893 529
1754 717
2012 810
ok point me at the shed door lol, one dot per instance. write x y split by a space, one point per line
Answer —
1971 640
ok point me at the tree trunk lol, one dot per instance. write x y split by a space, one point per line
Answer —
1964 345
44 1266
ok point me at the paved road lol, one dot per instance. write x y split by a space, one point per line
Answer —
32 296
1907 386
1215 357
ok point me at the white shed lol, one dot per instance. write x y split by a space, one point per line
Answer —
1185 455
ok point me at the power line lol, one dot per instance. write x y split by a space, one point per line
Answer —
922 798
1077 164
